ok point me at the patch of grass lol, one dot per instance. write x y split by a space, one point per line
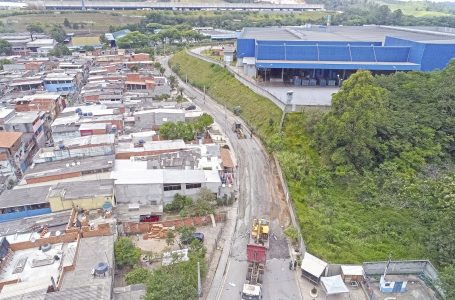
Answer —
414 8
259 112
94 22
86 40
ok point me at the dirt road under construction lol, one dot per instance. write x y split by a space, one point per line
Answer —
260 196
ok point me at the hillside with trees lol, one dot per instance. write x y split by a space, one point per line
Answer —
373 176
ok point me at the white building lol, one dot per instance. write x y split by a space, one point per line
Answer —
138 184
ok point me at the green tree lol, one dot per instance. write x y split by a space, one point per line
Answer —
447 281
59 51
133 40
88 48
178 203
103 39
202 122
170 237
172 81
126 253
177 130
58 34
5 47
4 62
349 133
162 70
204 205
179 280
66 23
186 232
138 275
34 28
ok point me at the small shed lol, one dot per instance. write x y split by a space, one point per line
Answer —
312 267
352 274
334 285
393 284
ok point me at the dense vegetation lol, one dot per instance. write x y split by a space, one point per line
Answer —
232 20
126 253
176 281
186 130
373 176
203 204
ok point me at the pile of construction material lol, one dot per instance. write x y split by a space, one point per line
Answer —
158 231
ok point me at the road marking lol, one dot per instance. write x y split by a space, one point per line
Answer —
226 272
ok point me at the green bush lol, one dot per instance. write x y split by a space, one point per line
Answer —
126 253
136 276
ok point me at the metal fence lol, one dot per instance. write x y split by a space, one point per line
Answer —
252 85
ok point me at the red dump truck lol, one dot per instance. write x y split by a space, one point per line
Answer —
256 252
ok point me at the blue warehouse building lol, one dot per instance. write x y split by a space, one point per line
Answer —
325 55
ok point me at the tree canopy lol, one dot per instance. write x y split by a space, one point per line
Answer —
58 33
126 254
34 28
133 40
60 50
5 47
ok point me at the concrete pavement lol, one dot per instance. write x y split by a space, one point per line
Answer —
259 196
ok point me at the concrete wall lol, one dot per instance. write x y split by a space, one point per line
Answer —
60 136
415 267
78 152
153 194
64 238
136 228
59 204
144 120
145 194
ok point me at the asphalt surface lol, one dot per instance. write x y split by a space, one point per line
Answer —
260 196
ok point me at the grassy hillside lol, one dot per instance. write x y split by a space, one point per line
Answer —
93 22
336 226
257 111
413 8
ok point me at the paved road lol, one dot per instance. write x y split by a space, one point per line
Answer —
259 196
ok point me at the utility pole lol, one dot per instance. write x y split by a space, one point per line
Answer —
199 285
204 94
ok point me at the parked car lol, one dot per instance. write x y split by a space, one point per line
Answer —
194 236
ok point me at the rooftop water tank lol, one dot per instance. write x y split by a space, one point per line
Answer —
101 268
46 247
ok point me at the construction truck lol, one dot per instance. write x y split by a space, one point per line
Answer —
256 256
237 128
